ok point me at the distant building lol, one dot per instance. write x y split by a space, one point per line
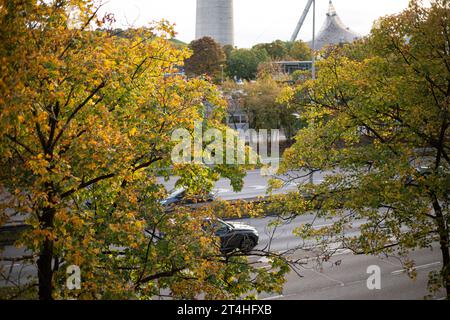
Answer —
215 20
238 120
334 31
289 67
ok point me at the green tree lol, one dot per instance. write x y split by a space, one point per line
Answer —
380 117
277 50
263 109
243 63
86 128
299 50
227 49
207 58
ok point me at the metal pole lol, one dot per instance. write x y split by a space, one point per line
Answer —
301 21
314 42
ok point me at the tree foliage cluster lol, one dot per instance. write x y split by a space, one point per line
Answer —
378 127
210 59
258 100
86 120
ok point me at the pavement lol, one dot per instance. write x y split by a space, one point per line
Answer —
255 185
343 277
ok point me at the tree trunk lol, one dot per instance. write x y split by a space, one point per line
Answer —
444 243
446 263
446 267
44 263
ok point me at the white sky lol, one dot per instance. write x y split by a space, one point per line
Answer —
256 21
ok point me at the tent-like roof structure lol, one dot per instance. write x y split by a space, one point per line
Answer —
334 31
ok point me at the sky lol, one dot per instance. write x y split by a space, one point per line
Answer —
255 21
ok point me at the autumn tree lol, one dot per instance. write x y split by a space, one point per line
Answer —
208 58
379 119
86 126
271 70
299 50
263 109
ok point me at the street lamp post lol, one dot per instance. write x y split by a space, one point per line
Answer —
299 26
314 42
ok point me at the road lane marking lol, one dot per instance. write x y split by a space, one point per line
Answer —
328 277
264 260
315 227
340 252
279 296
258 187
424 266
274 297
265 263
384 259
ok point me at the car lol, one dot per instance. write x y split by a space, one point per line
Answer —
180 196
233 235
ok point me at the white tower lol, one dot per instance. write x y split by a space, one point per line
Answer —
215 19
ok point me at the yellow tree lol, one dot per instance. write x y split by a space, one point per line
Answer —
86 121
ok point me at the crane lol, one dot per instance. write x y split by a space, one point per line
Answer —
302 20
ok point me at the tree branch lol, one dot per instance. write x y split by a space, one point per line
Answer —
76 110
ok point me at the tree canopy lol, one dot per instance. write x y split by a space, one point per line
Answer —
243 63
264 111
207 58
378 118
86 122
286 50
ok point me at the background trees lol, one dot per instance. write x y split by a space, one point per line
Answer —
243 63
86 122
276 50
299 50
264 111
378 115
285 50
207 58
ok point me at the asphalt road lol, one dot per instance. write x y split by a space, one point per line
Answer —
255 185
344 276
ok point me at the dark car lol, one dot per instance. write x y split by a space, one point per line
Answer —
180 196
233 235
